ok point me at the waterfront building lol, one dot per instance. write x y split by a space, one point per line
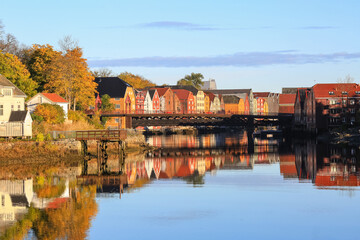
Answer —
206 103
121 95
331 105
215 104
245 94
140 100
51 98
148 103
187 101
15 121
287 103
261 102
166 96
155 100
232 104
300 107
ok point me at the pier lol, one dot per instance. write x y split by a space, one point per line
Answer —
102 137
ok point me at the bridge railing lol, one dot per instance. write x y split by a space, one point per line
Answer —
101 135
109 113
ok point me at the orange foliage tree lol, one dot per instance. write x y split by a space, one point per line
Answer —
50 113
136 81
70 77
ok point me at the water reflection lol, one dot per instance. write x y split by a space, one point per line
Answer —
64 205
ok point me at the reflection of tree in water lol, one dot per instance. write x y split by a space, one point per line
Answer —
196 179
71 220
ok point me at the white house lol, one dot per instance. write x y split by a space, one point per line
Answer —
51 98
148 105
15 121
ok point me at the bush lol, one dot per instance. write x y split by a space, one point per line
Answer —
76 116
48 137
40 137
50 113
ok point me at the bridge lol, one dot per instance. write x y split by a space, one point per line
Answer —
249 121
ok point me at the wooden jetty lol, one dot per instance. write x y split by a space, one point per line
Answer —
102 137
105 184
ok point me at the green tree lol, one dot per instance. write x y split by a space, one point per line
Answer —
106 106
14 70
194 79
136 81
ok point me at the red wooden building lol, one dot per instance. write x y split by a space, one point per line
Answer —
287 103
187 100
139 100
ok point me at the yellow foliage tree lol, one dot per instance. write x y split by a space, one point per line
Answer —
136 81
70 77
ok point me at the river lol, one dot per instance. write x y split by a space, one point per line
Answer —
195 187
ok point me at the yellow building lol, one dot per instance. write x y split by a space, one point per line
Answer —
206 103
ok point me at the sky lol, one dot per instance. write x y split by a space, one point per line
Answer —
264 45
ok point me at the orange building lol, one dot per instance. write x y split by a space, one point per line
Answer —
121 95
231 104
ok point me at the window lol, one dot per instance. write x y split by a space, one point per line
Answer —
12 107
357 92
344 120
117 106
352 110
352 102
117 99
331 93
3 200
1 110
344 102
7 92
332 102
344 93
117 120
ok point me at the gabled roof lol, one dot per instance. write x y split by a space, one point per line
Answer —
112 86
152 93
231 99
211 95
261 94
161 91
17 116
7 83
335 89
287 98
182 94
54 97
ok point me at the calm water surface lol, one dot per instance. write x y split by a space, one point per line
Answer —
205 186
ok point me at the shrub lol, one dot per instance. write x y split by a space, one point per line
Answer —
50 113
40 137
48 137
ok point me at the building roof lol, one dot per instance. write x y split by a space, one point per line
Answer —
152 93
161 91
288 90
211 95
231 99
17 116
287 98
335 89
7 83
261 94
112 86
182 94
54 97
190 88
230 91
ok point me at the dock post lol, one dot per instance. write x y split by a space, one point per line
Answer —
250 130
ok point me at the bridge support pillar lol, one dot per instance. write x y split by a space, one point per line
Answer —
250 130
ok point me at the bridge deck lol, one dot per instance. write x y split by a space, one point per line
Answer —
104 135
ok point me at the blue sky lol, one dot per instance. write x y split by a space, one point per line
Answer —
264 45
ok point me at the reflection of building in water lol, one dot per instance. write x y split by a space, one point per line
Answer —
323 165
15 197
52 202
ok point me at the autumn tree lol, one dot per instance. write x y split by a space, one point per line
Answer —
69 76
50 113
194 79
14 70
38 61
136 81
